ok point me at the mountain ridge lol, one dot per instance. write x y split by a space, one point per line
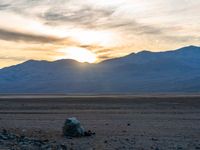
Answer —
170 71
131 54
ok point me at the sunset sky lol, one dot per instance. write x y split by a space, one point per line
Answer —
91 30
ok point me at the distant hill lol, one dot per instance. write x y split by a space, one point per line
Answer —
143 72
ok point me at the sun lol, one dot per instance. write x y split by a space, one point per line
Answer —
78 54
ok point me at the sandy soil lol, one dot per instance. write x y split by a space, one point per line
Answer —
120 122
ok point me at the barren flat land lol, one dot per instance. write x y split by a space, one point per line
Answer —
120 122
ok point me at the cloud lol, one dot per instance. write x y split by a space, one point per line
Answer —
15 36
103 18
107 28
4 6
18 36
119 16
12 58
84 16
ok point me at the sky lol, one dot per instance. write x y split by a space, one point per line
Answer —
91 30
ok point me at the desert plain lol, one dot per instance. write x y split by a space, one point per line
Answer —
120 122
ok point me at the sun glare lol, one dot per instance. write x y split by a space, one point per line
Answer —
79 54
87 37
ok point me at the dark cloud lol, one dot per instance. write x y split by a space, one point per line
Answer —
97 18
103 57
107 55
18 36
4 6
137 28
98 49
92 47
85 16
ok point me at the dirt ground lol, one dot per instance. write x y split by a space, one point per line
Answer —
120 122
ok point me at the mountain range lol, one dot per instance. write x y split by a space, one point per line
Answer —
143 72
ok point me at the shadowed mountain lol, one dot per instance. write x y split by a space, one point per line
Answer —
143 72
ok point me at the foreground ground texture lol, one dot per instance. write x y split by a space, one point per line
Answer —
120 122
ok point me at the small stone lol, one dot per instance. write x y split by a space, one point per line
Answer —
154 139
4 131
64 147
45 147
179 148
3 137
89 133
21 142
22 137
46 140
127 139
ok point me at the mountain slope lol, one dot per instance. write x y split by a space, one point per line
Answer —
171 71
